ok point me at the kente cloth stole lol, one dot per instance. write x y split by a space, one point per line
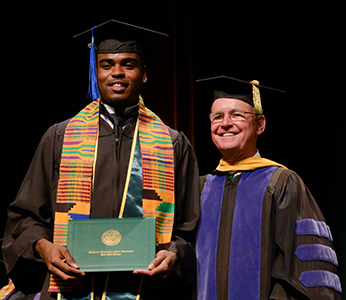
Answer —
245 252
77 168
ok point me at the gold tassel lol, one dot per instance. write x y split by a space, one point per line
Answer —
256 97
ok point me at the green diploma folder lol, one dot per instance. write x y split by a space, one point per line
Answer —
107 245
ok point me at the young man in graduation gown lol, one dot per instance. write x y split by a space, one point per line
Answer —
261 234
97 145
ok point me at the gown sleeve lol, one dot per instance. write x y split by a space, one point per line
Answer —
186 206
30 216
306 268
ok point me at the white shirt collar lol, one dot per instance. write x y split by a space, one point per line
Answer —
257 154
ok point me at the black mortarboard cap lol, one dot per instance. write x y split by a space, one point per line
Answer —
122 46
116 37
229 87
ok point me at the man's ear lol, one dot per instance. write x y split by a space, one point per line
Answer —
144 71
261 124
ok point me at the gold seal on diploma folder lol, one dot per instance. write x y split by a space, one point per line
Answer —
111 237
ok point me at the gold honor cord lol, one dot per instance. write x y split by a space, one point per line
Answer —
122 207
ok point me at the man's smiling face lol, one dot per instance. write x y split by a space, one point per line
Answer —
120 77
236 139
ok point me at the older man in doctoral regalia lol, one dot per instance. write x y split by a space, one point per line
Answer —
261 234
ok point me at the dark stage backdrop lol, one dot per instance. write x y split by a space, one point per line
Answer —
296 47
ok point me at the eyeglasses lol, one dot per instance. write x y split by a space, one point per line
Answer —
235 115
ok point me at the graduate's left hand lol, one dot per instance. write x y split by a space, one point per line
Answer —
161 266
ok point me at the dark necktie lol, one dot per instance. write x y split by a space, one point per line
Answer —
119 122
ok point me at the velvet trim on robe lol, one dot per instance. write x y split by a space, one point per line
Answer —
245 254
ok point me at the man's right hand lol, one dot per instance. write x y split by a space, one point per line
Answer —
58 260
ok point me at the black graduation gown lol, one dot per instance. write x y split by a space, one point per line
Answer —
286 200
31 215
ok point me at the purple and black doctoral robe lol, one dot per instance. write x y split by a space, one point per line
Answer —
262 235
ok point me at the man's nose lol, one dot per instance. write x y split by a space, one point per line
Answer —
227 120
118 71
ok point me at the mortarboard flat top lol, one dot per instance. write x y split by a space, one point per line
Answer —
230 87
121 23
115 36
